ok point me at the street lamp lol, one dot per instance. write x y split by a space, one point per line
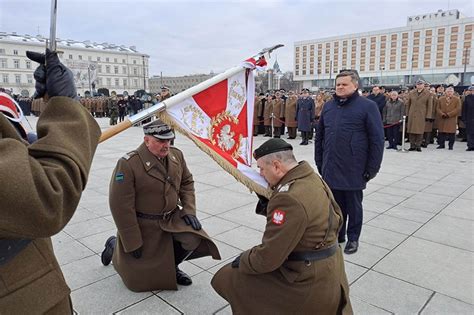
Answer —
144 73
381 73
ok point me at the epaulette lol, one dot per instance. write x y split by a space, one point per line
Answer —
128 155
284 188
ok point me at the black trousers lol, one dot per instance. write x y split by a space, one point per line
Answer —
470 134
350 202
392 135
443 136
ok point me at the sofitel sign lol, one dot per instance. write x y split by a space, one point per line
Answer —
451 14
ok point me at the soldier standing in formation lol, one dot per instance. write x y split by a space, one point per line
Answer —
298 268
468 117
290 114
278 112
419 108
113 110
153 205
267 116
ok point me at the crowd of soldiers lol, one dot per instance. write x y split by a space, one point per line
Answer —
281 112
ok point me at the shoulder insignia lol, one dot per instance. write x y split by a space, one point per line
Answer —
278 217
285 188
128 155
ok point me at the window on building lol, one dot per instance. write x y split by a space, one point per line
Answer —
115 60
17 78
16 63
98 58
89 58
116 82
452 62
70 57
99 68
135 82
441 31
107 59
109 81
3 63
107 69
428 33
15 52
124 81
100 81
116 69
404 35
454 29
2 51
5 78
135 71
29 78
123 60
28 64
80 57
124 70
134 62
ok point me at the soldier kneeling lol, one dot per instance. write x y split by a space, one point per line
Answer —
153 205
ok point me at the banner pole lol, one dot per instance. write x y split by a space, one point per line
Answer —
403 135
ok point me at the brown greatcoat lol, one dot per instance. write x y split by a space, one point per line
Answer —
450 106
141 182
419 108
267 112
257 111
266 282
429 124
290 112
41 187
278 112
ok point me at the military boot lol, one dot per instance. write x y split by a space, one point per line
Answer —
180 255
108 252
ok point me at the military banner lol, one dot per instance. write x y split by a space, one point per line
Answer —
85 72
220 121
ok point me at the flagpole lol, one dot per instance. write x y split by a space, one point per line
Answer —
178 98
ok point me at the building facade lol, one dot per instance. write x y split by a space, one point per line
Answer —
436 47
177 84
94 65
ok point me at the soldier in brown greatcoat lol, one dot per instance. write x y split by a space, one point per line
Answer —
257 113
153 205
447 111
41 187
267 116
429 124
278 112
290 114
298 268
419 108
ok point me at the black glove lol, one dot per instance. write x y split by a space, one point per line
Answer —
262 204
52 77
193 221
137 253
236 262
368 176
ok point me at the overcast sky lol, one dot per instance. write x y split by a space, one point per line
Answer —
189 37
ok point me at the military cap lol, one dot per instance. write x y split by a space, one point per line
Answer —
271 146
305 90
420 81
471 88
159 130
261 94
164 87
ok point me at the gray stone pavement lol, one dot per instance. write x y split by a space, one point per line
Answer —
416 251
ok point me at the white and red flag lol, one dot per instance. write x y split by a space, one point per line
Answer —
219 120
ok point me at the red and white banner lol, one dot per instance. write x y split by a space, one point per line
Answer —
221 118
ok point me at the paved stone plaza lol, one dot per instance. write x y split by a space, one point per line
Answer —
415 256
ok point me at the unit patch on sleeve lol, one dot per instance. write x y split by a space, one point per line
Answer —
278 217
119 177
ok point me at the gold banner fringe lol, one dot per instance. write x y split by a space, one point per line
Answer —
226 166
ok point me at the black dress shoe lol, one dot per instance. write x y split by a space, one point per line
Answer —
351 247
418 149
470 149
440 147
341 240
182 278
411 149
450 148
108 252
